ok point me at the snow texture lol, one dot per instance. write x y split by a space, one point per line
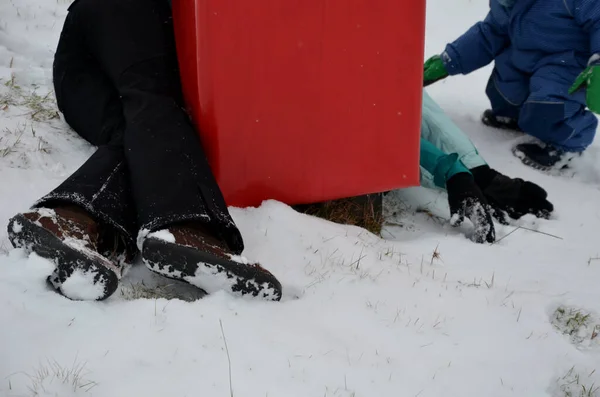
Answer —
239 259
17 227
80 285
422 312
478 216
45 213
142 234
504 119
163 235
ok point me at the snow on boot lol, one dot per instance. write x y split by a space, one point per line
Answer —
543 158
189 253
504 123
68 237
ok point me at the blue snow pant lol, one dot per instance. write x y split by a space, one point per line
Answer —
541 103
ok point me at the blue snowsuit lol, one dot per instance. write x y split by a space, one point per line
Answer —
539 48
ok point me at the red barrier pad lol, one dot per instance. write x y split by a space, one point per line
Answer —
304 100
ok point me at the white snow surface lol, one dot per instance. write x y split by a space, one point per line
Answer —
423 312
239 259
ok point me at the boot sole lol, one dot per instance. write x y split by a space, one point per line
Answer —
488 121
528 162
26 234
208 271
563 165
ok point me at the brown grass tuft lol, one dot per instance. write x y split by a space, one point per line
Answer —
362 211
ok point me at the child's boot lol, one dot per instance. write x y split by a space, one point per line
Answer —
490 119
544 158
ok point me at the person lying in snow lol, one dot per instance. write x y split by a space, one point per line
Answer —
450 160
546 52
148 186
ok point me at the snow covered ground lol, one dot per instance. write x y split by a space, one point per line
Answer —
423 312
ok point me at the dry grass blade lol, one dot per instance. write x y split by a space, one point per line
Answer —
530 230
41 107
506 235
11 147
544 233
228 358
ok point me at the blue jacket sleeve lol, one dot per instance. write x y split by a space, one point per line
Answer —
477 47
441 165
587 14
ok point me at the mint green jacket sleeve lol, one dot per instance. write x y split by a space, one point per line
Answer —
440 130
445 149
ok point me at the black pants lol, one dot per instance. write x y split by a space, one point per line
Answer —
117 83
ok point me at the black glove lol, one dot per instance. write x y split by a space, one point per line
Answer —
466 199
512 196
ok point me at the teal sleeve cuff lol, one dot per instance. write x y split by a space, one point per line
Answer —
441 165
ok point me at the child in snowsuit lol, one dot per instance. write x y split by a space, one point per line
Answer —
546 52
148 187
450 160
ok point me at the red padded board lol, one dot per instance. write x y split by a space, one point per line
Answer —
304 100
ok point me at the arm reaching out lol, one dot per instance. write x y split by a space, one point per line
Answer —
465 199
479 45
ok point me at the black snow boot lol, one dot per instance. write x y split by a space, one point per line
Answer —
543 158
190 253
490 119
69 237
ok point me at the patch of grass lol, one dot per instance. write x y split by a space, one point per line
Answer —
8 146
54 379
580 326
43 108
574 384
572 318
363 211
10 96
40 107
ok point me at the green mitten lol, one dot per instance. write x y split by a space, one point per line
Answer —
590 79
434 70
